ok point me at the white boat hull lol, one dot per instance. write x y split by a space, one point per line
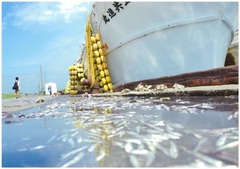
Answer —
156 39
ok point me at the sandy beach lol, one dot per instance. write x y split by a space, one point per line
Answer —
12 105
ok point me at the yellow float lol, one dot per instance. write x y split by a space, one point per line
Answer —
95 46
104 81
98 59
99 44
104 65
102 59
97 67
110 86
96 53
97 36
108 79
93 39
106 72
100 51
100 67
102 75
105 88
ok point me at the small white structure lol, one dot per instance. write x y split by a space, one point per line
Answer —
50 88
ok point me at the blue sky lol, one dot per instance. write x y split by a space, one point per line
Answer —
41 33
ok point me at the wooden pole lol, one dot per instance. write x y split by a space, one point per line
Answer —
41 80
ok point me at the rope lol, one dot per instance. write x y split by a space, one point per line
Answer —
89 53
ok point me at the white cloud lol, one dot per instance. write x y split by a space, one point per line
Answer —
25 14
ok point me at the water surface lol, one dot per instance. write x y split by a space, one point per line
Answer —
123 132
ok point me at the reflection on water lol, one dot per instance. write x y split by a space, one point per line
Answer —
124 132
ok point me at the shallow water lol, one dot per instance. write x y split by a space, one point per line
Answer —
124 132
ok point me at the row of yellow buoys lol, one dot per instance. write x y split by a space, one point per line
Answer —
76 73
100 69
100 66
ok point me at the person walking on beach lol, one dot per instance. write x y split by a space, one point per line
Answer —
50 90
16 87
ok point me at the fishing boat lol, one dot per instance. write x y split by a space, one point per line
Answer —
145 40
153 39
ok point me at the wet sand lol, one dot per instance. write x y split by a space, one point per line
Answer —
118 131
25 102
13 105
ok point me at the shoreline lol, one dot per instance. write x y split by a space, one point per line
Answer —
13 105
